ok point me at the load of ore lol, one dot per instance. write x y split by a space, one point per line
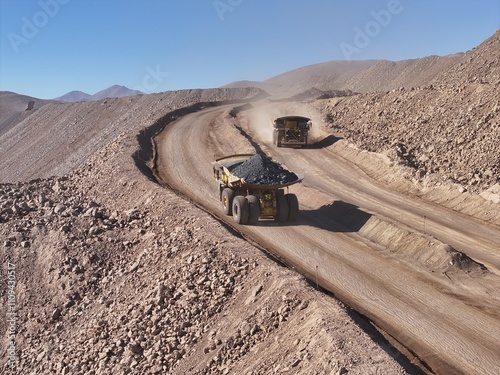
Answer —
260 170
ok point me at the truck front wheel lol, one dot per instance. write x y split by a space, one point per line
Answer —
240 209
227 201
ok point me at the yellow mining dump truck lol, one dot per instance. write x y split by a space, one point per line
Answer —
251 187
291 131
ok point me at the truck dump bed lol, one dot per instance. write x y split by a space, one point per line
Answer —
253 171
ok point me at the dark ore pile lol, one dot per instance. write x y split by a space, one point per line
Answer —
260 170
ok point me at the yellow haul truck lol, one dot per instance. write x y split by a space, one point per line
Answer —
291 131
260 193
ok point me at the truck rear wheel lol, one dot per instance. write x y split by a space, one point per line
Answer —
282 208
253 209
227 201
293 207
240 209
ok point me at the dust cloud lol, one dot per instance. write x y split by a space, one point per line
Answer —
262 114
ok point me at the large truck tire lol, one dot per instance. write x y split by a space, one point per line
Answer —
282 208
277 138
293 207
227 201
253 209
240 209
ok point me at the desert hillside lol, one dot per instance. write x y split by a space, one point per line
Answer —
11 102
480 65
448 130
63 135
356 76
13 109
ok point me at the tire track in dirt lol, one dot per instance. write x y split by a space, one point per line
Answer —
342 175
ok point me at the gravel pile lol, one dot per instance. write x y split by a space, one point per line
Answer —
260 170
449 134
88 258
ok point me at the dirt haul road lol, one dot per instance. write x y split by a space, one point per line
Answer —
361 241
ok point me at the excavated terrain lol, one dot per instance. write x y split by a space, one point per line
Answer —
116 274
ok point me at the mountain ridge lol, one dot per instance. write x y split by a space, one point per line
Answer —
114 91
357 76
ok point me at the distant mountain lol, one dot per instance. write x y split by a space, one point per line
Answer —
74 96
115 91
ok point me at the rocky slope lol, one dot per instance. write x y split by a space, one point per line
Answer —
480 65
446 131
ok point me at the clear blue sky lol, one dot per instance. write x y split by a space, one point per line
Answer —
50 47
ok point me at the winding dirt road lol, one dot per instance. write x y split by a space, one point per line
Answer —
388 255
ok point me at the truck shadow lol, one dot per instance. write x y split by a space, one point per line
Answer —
325 142
337 216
